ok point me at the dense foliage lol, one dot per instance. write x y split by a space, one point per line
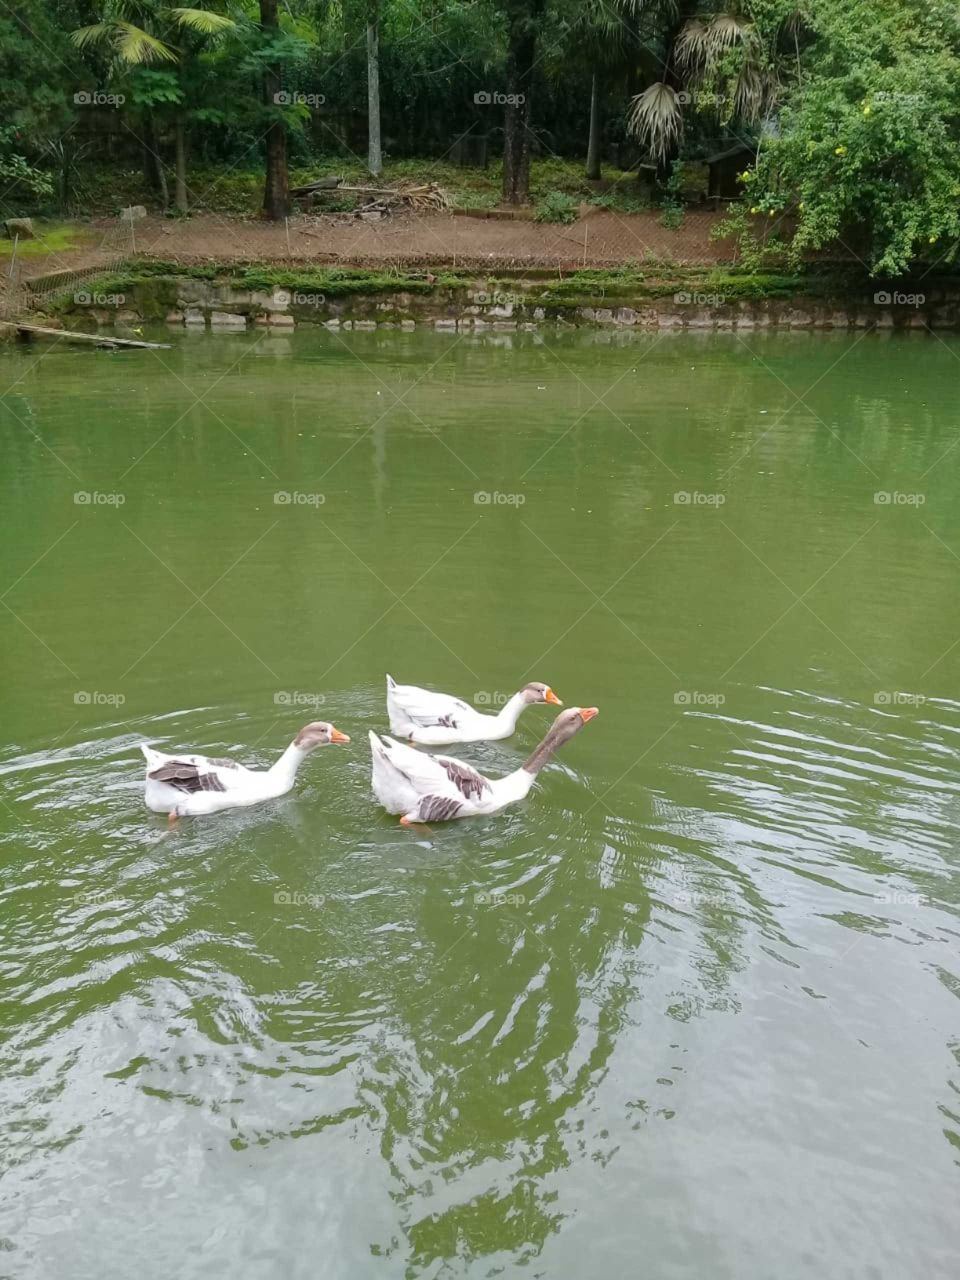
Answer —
847 112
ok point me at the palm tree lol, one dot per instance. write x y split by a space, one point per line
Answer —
131 45
726 52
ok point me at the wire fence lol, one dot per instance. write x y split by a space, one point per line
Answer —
30 281
488 243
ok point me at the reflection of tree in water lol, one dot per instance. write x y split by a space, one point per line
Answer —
503 1023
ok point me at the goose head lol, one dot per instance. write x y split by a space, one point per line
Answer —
570 722
562 730
537 692
319 733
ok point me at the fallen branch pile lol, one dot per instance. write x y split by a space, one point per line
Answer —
379 201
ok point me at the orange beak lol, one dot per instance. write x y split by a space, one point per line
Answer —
337 736
587 713
405 821
550 696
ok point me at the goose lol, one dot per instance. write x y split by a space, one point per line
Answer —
425 788
437 719
189 785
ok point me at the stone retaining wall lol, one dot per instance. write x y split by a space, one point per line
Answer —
204 304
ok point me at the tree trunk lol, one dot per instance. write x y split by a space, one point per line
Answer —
152 164
276 189
521 60
596 132
374 149
180 142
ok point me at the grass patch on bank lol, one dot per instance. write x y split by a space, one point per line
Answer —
49 237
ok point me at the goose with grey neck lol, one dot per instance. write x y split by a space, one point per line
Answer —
189 785
438 719
425 788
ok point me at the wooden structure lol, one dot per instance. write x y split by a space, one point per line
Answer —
98 339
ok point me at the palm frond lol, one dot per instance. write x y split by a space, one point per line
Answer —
726 30
203 21
693 46
85 37
137 47
754 92
655 119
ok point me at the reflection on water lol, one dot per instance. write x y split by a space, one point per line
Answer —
694 999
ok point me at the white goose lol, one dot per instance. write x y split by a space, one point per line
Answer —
437 719
190 785
425 788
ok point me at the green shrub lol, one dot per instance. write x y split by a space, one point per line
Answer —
556 207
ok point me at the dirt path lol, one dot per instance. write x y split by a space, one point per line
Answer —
599 239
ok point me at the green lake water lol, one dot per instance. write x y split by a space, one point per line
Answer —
689 1011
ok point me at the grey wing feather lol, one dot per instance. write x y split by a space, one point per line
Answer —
183 776
438 808
468 782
